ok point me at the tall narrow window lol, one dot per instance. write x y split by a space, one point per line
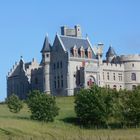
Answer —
58 65
61 65
103 76
120 76
107 75
133 76
133 65
55 82
54 66
36 80
62 81
114 78
58 82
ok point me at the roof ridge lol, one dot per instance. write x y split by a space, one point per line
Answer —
73 37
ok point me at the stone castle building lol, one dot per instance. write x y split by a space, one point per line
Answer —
71 63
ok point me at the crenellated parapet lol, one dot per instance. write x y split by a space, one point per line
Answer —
113 66
129 58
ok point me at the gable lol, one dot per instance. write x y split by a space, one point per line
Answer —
58 45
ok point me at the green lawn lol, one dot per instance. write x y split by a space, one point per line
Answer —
20 127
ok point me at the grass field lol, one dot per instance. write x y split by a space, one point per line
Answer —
20 127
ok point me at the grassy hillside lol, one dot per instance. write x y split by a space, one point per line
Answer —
20 127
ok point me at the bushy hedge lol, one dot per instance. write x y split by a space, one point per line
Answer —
103 107
130 107
43 107
14 103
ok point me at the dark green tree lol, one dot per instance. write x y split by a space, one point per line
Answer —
14 103
43 107
94 106
131 110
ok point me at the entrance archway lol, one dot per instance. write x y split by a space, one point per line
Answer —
90 81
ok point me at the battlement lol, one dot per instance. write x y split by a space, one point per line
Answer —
125 58
74 32
113 66
27 67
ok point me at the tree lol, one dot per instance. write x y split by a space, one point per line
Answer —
131 112
94 105
14 103
43 107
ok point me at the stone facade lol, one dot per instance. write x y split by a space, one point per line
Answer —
71 63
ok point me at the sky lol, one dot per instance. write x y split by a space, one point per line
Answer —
24 24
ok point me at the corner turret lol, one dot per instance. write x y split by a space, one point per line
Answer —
46 55
110 54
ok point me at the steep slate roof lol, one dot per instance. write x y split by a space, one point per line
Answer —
70 42
110 52
116 59
46 45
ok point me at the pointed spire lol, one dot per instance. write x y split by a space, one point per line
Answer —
46 45
110 52
21 57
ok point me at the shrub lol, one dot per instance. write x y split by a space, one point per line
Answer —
43 107
94 106
131 110
104 107
14 103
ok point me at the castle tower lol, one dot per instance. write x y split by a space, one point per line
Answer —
78 30
46 54
110 54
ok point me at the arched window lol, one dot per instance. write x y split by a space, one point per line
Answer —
90 81
133 76
115 87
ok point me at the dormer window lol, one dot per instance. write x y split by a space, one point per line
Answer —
89 53
82 52
75 51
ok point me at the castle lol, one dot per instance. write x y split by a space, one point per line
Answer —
71 63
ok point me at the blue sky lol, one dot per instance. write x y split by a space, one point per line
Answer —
24 24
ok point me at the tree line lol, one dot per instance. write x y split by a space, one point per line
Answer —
103 107
95 107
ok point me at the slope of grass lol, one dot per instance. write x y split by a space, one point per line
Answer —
20 127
